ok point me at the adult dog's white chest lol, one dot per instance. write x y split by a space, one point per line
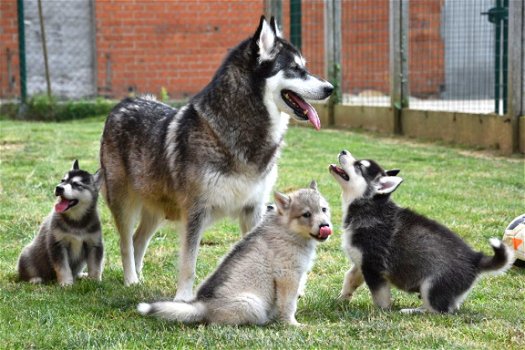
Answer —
227 195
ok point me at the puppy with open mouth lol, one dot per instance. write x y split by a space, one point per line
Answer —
70 237
389 245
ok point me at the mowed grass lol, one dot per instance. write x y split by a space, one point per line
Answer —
474 193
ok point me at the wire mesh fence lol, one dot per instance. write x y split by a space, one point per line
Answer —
456 49
69 58
453 56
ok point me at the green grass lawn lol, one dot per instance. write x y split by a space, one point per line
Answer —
474 193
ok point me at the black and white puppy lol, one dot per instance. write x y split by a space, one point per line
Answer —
390 245
70 237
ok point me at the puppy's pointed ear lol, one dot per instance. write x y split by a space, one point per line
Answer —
275 27
388 184
75 165
264 40
98 177
392 172
282 201
313 185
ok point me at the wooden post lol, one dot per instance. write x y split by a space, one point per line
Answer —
333 44
516 68
44 48
399 89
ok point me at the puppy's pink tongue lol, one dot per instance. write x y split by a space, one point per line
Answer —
325 231
61 206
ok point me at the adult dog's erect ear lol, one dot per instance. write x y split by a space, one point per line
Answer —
75 165
275 27
264 40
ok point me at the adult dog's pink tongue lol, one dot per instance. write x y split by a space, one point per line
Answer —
61 206
308 110
325 231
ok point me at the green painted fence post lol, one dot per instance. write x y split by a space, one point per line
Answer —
295 23
22 52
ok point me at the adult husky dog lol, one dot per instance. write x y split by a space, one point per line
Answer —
214 157
260 279
70 237
390 245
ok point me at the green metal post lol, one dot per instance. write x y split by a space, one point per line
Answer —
295 23
505 57
497 61
22 51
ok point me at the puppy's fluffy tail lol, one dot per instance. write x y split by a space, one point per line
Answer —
192 312
501 261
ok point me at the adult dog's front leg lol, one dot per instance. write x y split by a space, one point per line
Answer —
250 217
190 239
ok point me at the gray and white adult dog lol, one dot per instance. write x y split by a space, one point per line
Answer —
70 237
215 157
389 245
260 279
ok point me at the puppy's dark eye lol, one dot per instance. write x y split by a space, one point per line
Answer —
324 209
307 214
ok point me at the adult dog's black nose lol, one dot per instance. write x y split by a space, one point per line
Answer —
59 190
328 90
343 153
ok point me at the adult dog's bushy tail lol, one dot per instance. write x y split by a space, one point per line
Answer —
174 311
501 261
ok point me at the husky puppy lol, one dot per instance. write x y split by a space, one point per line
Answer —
389 245
215 157
70 236
260 279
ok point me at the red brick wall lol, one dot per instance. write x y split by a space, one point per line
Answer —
179 44
365 36
365 46
312 33
9 49
173 44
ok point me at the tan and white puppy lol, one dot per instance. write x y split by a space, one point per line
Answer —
261 277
